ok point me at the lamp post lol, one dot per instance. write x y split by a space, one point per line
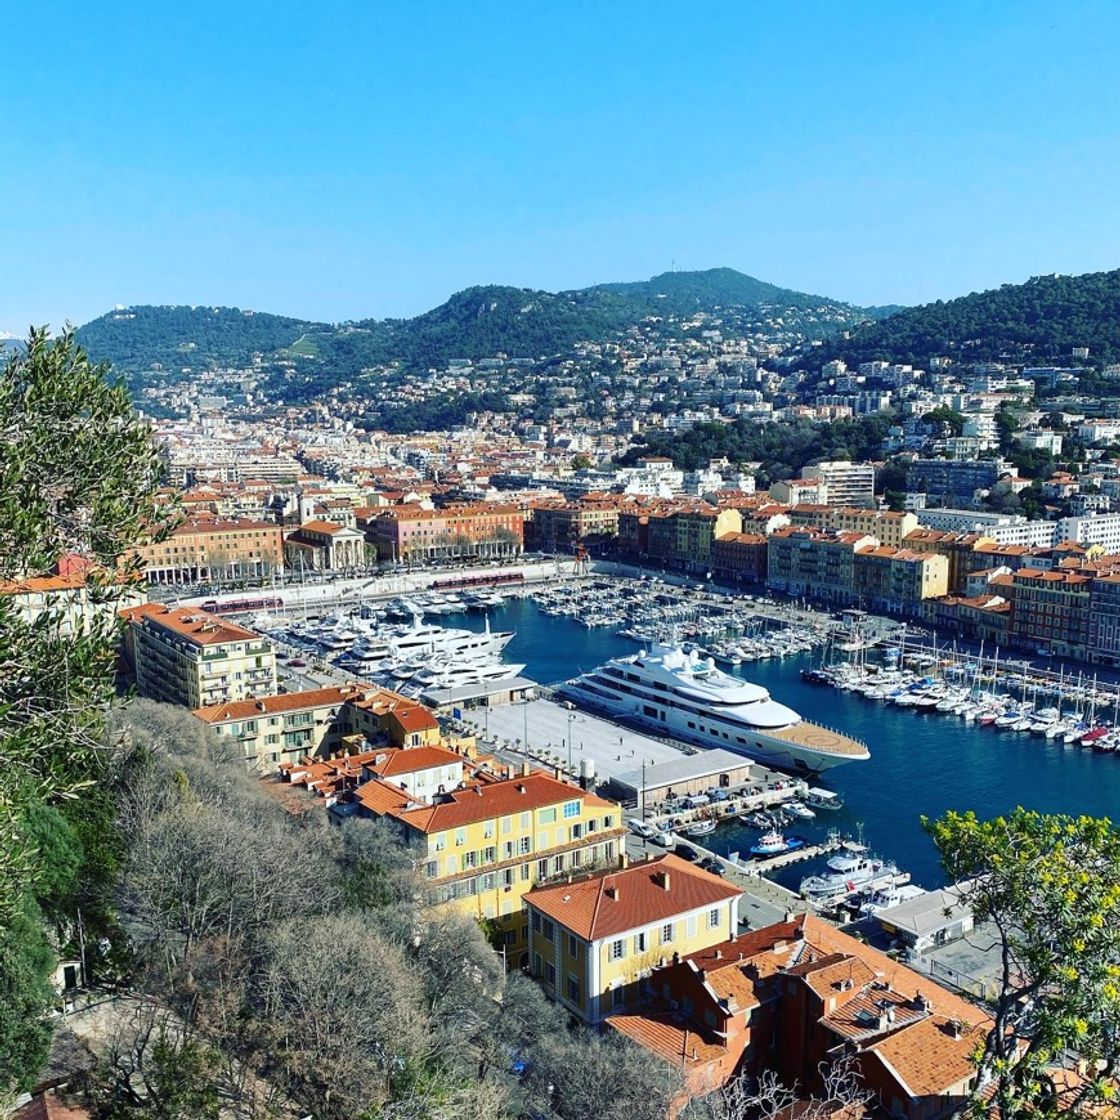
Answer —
571 717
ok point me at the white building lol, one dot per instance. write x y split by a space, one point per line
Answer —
1102 529
849 484
1041 440
1003 528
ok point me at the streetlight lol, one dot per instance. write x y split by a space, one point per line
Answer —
571 717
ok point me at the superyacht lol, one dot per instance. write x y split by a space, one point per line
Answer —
682 696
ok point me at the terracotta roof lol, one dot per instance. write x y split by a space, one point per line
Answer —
197 626
285 702
327 527
408 760
612 902
49 1107
482 802
669 1035
927 1058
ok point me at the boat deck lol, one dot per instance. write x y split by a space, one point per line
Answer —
824 739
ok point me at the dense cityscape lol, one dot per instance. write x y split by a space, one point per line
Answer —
426 696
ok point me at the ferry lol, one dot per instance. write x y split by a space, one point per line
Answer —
683 696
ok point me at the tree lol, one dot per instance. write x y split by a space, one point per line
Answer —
78 477
1050 886
581 462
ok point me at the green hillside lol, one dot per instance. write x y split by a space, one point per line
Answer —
475 323
1041 320
136 338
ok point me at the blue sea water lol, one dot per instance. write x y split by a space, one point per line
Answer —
921 763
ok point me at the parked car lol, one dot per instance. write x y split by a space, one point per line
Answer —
710 863
296 663
686 851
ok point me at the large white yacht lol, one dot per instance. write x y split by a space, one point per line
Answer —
685 697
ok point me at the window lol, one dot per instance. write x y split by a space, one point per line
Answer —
548 929
618 950
507 850
489 855
550 973
431 868
690 926
525 845
577 832
441 841
573 989
558 864
470 859
667 933
546 816
524 872
542 869
713 918
618 997
536 922
640 940
526 822
460 837
507 825
571 809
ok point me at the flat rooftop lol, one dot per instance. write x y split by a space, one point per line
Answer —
616 750
464 693
686 768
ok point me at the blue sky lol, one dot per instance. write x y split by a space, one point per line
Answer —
340 160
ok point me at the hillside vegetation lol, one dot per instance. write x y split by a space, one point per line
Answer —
475 323
1040 320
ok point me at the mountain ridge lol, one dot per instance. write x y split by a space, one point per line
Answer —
473 323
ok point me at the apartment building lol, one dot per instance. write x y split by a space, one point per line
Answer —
483 841
847 483
953 482
957 548
898 580
1049 609
319 722
740 556
888 527
186 656
791 998
595 940
815 562
207 548
559 525
77 600
482 529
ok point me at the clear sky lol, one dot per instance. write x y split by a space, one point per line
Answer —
341 159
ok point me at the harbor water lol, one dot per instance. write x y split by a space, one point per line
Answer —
922 763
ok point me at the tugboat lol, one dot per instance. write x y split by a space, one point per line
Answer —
775 844
701 828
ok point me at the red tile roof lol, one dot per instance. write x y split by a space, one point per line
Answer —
199 627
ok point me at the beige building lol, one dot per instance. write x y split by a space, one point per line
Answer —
849 484
320 722
326 546
186 656
76 600
205 548
888 527
899 580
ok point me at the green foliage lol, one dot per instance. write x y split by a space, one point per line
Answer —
782 448
26 961
78 475
136 337
943 414
1040 320
478 322
1050 886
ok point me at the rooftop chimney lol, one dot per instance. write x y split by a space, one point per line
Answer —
661 878
719 954
612 892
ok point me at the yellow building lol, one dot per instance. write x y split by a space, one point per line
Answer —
319 722
186 656
898 580
698 529
594 940
888 526
484 844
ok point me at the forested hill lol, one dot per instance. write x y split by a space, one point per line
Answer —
1041 320
476 323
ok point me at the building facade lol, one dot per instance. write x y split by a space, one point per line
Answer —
595 940
186 656
214 549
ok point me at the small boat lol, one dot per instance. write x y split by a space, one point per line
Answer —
775 844
802 812
818 798
701 828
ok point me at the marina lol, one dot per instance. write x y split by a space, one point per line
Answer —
918 766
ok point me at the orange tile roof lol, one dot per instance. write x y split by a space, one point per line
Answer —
612 902
482 802
408 760
327 527
197 626
671 1036
927 1058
